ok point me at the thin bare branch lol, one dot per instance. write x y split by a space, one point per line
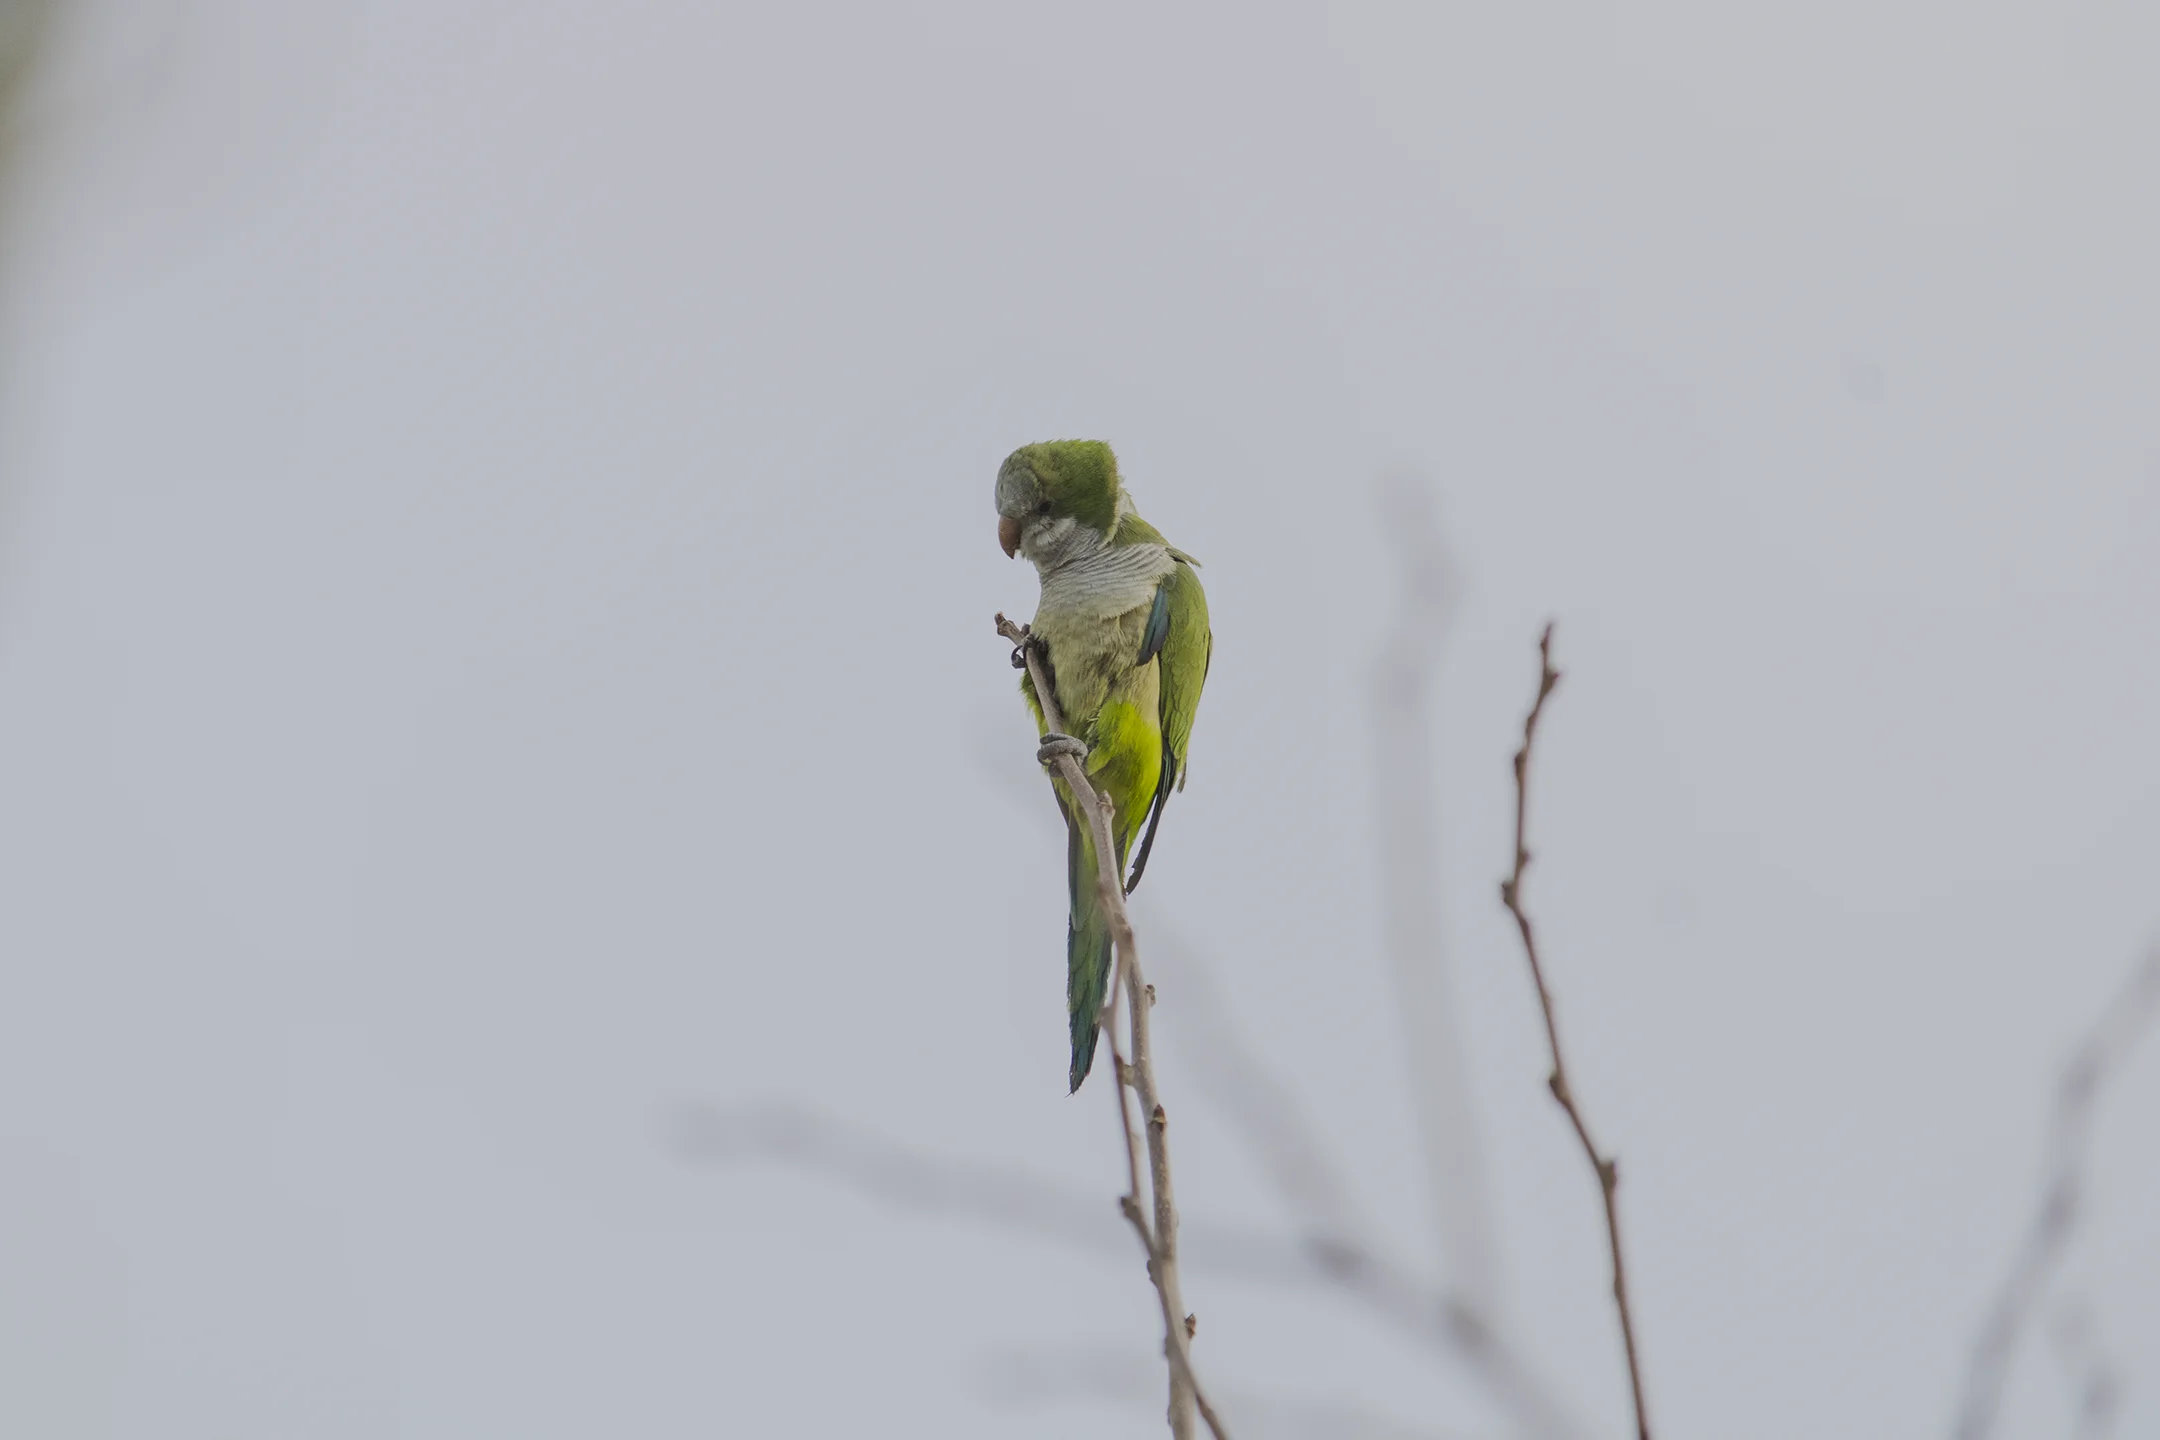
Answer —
1158 1239
1606 1167
2103 1052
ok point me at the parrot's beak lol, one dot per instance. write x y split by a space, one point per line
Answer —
1009 535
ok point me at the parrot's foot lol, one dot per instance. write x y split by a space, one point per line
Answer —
1054 745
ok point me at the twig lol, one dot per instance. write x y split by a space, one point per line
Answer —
1607 1167
2055 1218
1159 1240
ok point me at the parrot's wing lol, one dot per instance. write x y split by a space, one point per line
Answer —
1177 638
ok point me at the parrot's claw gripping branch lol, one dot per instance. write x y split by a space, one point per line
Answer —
1063 754
1054 745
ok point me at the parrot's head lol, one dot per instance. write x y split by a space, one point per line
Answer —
1046 491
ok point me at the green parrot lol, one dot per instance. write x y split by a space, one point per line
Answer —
1124 628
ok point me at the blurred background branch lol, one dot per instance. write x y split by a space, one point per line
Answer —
2124 1021
24 25
1406 821
1263 1110
2095 1382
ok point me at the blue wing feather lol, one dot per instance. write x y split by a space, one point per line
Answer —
1158 625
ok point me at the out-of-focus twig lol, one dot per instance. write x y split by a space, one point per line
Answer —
892 1174
23 26
2055 1217
1606 1166
1406 835
888 1173
1336 1249
25 36
1158 1238
1264 1112
1455 1329
2093 1378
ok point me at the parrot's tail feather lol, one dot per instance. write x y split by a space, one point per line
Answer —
1087 981
1090 977
1087 956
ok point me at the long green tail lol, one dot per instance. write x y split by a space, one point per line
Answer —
1087 949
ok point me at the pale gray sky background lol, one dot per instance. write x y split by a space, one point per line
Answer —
494 646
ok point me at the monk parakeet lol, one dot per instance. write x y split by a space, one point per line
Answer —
1124 628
